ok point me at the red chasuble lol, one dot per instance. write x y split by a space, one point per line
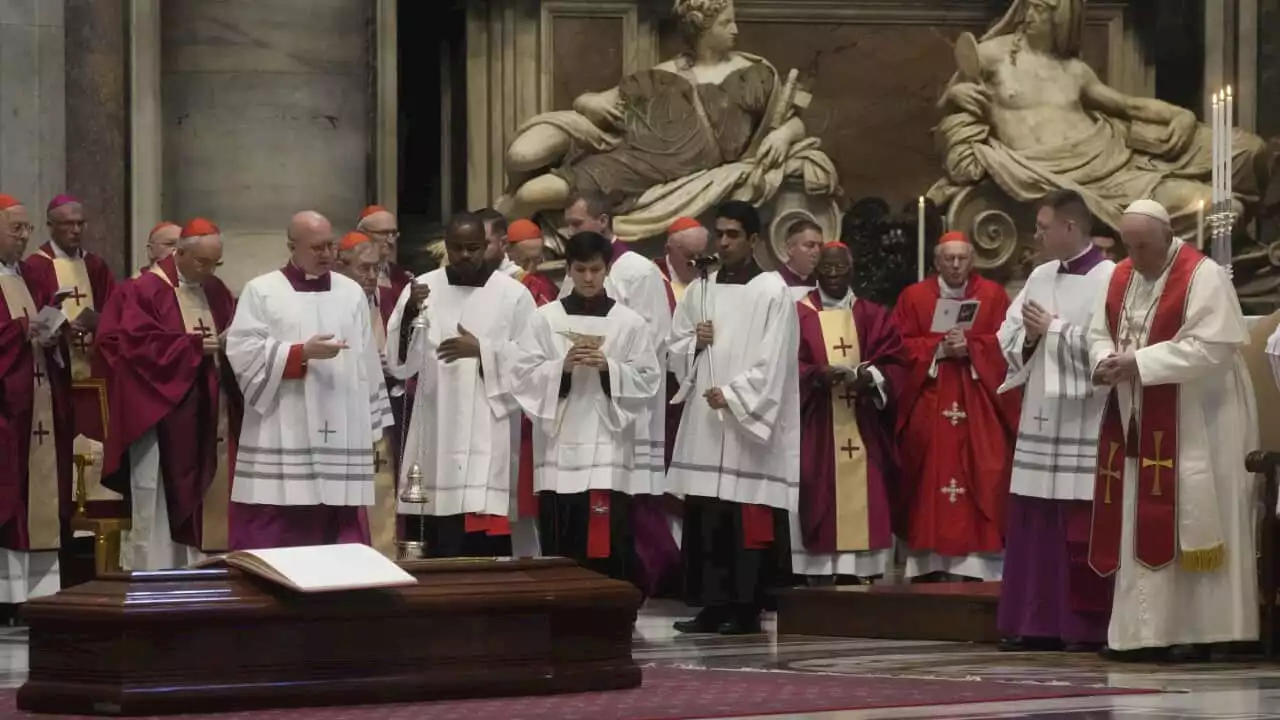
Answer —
92 284
1154 440
160 378
35 421
955 432
850 510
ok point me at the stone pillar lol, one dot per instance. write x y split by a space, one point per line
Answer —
267 110
32 110
97 122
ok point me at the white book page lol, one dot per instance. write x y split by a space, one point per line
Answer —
333 567
948 314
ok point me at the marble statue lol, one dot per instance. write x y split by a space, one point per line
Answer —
1025 112
708 125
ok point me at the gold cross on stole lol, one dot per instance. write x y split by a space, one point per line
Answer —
1157 463
1109 472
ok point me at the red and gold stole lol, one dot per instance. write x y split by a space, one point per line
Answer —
1152 438
840 336
198 320
43 531
89 394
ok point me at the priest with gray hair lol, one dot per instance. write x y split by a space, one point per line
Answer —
1174 510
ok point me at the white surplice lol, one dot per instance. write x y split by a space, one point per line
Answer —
1056 454
586 441
750 451
635 282
465 420
308 441
1217 425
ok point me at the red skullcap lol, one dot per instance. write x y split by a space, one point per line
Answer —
8 201
373 210
162 225
353 239
199 227
682 224
60 200
835 244
953 236
522 230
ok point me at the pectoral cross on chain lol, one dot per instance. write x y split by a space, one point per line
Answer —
954 414
953 490
1157 463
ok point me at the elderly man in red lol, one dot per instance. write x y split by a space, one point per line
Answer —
955 433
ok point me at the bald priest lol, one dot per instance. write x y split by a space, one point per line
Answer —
176 408
1174 510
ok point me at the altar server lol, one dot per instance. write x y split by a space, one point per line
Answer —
302 349
851 362
465 419
1050 598
955 433
585 373
737 456
176 409
636 283
91 284
1174 510
35 420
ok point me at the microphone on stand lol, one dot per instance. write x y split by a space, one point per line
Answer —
704 262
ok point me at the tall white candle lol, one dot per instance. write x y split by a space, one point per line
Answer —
920 240
1216 137
1200 226
1228 143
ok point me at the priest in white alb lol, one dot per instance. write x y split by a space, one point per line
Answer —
585 373
734 346
1174 510
1050 599
463 430
302 349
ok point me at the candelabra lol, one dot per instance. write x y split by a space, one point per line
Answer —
1222 217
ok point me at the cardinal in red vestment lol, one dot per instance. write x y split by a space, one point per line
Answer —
35 419
851 364
90 284
955 433
162 242
176 408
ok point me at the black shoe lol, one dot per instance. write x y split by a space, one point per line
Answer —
1189 653
706 622
1082 647
739 626
1141 655
1030 644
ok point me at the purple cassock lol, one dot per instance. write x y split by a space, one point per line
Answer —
1049 590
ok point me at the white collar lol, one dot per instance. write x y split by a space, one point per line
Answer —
829 302
13 270
949 292
58 252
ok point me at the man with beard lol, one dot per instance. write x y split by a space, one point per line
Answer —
737 456
851 363
302 349
458 343
35 420
173 420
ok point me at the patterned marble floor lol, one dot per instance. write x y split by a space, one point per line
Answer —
1219 691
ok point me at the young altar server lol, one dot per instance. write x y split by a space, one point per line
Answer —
458 343
955 432
737 456
35 420
173 420
585 373
851 363
302 349
1049 597
1174 509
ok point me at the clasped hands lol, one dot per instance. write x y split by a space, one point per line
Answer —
1116 368
857 378
954 344
585 353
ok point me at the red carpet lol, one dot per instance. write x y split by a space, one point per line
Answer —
676 694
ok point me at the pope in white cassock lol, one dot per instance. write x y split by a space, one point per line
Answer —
1049 597
1174 510
634 282
465 419
585 373
301 346
734 343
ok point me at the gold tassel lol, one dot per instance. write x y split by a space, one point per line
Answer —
1207 560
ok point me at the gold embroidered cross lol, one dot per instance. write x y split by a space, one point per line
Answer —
1109 472
954 414
953 490
1157 463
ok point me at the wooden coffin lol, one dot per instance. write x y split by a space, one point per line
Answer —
214 640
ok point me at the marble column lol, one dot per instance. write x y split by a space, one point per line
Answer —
266 110
32 91
97 123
